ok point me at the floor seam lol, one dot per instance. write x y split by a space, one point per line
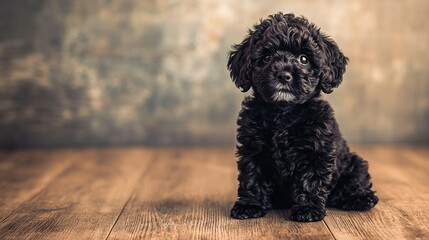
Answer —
329 229
152 161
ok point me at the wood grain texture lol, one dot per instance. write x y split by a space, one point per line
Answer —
83 201
24 174
180 193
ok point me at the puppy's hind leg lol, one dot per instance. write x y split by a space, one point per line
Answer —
353 189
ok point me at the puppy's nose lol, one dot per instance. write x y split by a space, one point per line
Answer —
284 76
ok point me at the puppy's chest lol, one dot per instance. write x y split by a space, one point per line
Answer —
287 134
285 127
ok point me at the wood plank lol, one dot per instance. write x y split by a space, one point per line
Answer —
402 212
84 201
25 173
188 195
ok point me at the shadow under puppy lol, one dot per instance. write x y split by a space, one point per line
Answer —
291 152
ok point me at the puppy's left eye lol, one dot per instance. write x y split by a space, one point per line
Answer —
303 59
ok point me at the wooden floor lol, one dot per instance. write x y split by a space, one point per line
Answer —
136 193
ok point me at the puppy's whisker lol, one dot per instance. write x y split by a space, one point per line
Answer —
283 96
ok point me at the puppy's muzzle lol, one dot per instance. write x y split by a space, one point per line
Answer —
284 76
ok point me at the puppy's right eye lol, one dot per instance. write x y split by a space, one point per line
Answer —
267 59
303 59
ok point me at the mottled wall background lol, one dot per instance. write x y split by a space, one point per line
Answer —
153 72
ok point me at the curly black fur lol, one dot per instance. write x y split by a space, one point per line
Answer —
291 152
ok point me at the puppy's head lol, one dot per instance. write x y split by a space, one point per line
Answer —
286 59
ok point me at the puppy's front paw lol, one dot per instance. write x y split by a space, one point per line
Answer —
244 211
307 213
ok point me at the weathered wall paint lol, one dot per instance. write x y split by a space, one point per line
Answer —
153 72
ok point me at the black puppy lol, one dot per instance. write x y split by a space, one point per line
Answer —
291 152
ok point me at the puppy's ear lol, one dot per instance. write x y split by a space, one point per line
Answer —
239 64
334 64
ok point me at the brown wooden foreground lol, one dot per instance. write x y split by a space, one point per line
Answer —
130 193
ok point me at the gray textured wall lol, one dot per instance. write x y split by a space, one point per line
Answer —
153 72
